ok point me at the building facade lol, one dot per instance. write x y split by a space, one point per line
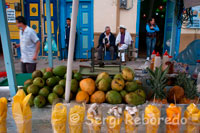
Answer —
93 16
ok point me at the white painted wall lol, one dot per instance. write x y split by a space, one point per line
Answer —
105 15
190 31
128 18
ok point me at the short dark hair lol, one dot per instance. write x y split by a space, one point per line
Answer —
21 19
68 19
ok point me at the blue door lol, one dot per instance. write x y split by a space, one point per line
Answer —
32 14
84 40
172 32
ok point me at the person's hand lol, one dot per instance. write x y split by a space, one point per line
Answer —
119 44
107 45
16 46
35 57
151 27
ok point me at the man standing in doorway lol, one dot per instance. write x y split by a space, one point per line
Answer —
67 36
29 46
67 32
122 41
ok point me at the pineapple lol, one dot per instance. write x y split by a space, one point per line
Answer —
189 86
158 82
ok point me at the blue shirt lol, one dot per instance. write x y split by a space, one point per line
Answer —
152 30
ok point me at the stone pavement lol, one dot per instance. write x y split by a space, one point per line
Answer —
43 63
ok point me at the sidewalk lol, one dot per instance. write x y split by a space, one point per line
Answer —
43 63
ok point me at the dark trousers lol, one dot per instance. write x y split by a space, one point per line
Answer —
101 49
28 67
65 51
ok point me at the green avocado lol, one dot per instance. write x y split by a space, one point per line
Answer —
60 71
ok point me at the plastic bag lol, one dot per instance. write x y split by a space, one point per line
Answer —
54 46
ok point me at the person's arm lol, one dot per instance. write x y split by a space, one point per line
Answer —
112 40
100 40
156 28
148 29
35 39
117 42
36 50
16 45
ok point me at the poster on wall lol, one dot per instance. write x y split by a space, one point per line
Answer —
11 15
195 19
191 3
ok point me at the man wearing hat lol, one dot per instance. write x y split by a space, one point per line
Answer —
122 41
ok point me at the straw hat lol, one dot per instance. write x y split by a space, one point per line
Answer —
122 27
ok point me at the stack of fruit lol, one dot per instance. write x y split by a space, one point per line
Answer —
121 88
183 91
49 84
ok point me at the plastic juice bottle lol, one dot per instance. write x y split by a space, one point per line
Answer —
165 59
152 59
198 77
197 70
157 62
198 83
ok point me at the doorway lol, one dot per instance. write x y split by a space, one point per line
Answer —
1 50
157 10
84 28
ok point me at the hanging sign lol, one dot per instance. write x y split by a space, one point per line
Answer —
11 15
191 3
195 19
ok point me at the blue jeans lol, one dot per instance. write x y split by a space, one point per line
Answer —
151 43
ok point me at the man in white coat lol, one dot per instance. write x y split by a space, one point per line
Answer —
122 41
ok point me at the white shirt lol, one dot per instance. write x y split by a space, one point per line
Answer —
28 40
108 38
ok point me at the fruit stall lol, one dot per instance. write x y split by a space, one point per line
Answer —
95 102
154 99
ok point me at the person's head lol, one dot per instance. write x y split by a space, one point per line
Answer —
107 30
122 29
152 21
68 21
21 22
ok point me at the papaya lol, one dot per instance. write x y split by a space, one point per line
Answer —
131 86
98 97
117 84
127 74
102 75
87 85
82 96
113 97
134 99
